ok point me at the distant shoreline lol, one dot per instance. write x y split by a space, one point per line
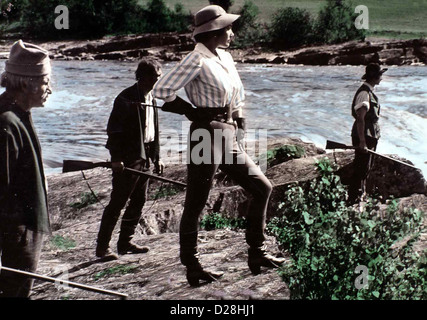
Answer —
173 46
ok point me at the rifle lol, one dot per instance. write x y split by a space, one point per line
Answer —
337 145
76 165
65 282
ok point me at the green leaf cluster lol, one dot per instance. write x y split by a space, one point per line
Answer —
86 199
327 241
293 27
216 220
283 153
120 269
95 18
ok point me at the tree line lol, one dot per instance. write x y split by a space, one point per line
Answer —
89 19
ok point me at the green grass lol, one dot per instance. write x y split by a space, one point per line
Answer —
62 243
387 18
116 270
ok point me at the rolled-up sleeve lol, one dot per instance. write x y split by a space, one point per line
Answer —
362 100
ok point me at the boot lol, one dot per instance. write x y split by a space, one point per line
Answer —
257 258
190 258
124 244
106 228
106 254
129 247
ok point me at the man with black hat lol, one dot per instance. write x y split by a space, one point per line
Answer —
23 192
366 130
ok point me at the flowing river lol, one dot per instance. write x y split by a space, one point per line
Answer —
307 102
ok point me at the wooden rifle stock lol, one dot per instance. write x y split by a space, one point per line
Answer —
77 165
337 145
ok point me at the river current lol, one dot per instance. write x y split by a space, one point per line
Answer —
307 102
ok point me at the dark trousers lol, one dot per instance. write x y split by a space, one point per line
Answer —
362 165
225 155
125 186
20 249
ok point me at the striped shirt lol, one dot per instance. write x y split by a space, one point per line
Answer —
208 80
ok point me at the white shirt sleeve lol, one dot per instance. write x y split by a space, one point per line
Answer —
167 86
362 100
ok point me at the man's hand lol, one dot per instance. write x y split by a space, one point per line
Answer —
362 147
179 106
117 166
159 167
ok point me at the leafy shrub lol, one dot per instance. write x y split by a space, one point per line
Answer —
10 10
225 4
284 153
162 19
86 198
94 18
328 240
335 23
164 192
247 29
291 27
216 220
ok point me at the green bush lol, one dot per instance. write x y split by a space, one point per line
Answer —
162 19
291 27
164 191
217 220
225 4
94 18
10 10
86 199
328 240
335 23
247 29
284 153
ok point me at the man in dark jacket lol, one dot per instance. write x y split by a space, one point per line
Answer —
366 130
133 141
23 192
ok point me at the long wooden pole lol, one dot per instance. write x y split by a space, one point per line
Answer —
65 282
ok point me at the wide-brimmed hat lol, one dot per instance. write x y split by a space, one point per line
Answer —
26 59
212 18
373 70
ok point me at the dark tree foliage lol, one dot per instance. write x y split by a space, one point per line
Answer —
225 4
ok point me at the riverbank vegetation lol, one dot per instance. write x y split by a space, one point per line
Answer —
342 253
274 24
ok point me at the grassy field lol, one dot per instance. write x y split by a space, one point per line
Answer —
391 18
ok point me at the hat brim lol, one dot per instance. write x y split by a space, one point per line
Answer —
216 24
379 73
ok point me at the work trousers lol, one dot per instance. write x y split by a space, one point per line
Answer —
20 249
362 165
214 147
125 186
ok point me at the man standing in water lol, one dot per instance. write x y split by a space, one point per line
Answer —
133 140
23 193
366 130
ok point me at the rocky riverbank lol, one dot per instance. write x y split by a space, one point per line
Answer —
173 46
70 250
